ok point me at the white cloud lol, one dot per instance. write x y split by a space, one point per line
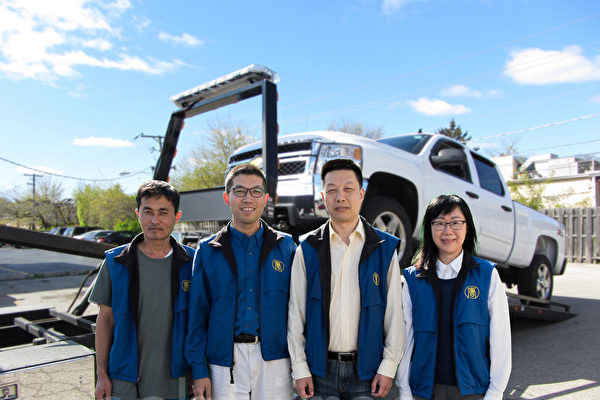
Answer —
38 168
437 107
140 23
595 99
48 40
185 39
534 66
390 6
101 142
99 44
461 91
466 91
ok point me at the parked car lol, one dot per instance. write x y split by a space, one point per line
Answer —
59 230
117 237
93 236
190 238
78 230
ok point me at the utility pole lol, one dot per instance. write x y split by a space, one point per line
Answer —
33 208
159 139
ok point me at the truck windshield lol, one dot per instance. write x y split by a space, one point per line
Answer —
411 143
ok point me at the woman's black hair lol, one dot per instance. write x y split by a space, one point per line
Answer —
443 204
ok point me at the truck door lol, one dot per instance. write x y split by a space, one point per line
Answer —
451 174
496 211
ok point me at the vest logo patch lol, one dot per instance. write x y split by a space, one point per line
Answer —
277 265
376 278
185 285
471 292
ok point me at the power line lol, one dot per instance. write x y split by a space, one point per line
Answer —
443 63
537 127
73 177
564 145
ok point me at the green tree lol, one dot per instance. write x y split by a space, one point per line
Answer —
106 207
205 166
50 208
356 128
528 192
455 132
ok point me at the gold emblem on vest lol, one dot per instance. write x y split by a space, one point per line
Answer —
471 292
185 285
376 278
278 265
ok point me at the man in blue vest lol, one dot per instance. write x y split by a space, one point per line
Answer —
345 324
236 341
142 291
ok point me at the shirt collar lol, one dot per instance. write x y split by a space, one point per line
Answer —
455 264
358 232
239 236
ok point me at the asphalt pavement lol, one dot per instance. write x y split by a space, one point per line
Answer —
550 359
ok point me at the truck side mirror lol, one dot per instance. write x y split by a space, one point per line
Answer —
447 157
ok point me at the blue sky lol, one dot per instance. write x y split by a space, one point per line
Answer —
79 80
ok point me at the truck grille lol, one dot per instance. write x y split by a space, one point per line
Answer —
282 148
291 168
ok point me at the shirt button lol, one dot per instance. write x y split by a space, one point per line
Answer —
250 270
250 253
249 308
250 289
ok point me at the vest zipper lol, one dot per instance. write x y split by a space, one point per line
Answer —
231 381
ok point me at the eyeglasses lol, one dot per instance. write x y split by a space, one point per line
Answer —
240 191
440 226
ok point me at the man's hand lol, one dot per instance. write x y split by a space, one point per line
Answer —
202 389
103 387
381 385
305 387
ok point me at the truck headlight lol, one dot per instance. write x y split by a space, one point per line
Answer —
332 151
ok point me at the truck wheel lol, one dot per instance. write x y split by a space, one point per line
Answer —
386 214
536 280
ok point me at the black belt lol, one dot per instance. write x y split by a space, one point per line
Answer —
345 357
246 338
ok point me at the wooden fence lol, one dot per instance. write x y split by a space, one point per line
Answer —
582 226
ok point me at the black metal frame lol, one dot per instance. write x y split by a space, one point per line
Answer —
267 89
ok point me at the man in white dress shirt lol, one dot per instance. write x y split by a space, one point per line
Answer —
345 324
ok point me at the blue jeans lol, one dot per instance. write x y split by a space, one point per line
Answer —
341 383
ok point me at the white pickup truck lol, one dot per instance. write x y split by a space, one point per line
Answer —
401 175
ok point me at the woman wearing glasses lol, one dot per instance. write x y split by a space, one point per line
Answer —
457 324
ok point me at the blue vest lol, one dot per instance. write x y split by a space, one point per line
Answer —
213 300
374 263
470 327
123 267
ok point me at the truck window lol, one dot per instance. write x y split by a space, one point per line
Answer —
411 143
459 169
488 175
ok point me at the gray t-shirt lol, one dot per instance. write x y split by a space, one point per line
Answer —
154 331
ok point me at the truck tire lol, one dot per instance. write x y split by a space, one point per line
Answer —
536 280
388 215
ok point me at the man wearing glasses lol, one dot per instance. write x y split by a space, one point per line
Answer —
238 300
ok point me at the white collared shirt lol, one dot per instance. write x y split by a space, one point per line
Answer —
344 315
500 342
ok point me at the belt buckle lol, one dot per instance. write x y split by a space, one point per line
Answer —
255 340
345 357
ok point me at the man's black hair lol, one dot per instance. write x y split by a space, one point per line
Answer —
244 169
342 163
156 188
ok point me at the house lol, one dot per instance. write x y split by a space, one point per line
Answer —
568 181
